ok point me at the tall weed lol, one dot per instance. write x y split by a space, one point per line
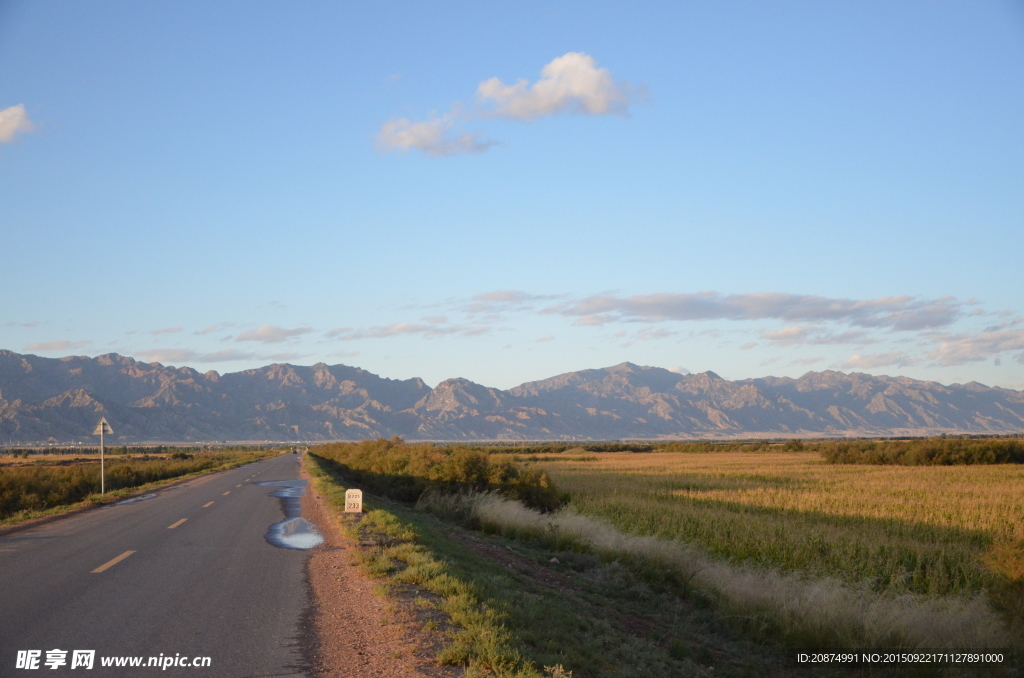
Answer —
805 611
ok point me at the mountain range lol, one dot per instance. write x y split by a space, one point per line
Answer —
60 399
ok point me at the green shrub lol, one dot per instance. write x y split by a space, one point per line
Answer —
404 472
923 452
38 488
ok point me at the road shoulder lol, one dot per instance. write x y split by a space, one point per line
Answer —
350 629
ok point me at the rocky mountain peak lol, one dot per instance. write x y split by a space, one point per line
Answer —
58 398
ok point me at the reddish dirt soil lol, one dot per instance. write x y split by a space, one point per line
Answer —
351 631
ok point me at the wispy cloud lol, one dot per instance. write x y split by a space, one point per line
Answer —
502 301
213 328
272 334
430 136
816 335
897 313
957 349
542 340
58 345
848 337
572 83
399 329
868 361
34 323
14 120
794 334
166 330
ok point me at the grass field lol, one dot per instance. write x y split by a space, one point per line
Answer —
923 529
516 609
939 531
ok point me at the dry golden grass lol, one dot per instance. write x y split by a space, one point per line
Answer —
805 611
987 498
16 460
920 529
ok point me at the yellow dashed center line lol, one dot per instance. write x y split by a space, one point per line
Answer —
226 493
208 504
171 527
110 563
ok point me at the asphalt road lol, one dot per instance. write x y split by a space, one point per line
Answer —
200 581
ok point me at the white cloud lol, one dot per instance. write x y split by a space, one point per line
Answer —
571 82
430 136
14 120
957 349
167 330
501 301
542 340
787 336
797 334
271 334
679 370
848 337
747 346
898 313
867 361
58 345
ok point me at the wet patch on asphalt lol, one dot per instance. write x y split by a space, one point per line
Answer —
294 532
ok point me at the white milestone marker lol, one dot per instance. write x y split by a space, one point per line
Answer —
353 501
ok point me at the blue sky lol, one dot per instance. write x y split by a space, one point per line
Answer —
508 191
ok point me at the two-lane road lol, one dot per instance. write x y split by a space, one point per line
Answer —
185 573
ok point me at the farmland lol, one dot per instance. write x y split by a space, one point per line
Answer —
939 533
917 529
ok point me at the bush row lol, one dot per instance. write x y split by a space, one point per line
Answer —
404 472
922 452
37 488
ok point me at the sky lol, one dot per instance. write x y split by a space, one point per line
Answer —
512 190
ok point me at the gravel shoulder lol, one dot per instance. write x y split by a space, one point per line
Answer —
352 631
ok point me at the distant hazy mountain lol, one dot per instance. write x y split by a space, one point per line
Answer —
61 399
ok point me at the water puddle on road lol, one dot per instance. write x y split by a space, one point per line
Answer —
294 532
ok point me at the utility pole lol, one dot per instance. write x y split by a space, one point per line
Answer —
101 428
